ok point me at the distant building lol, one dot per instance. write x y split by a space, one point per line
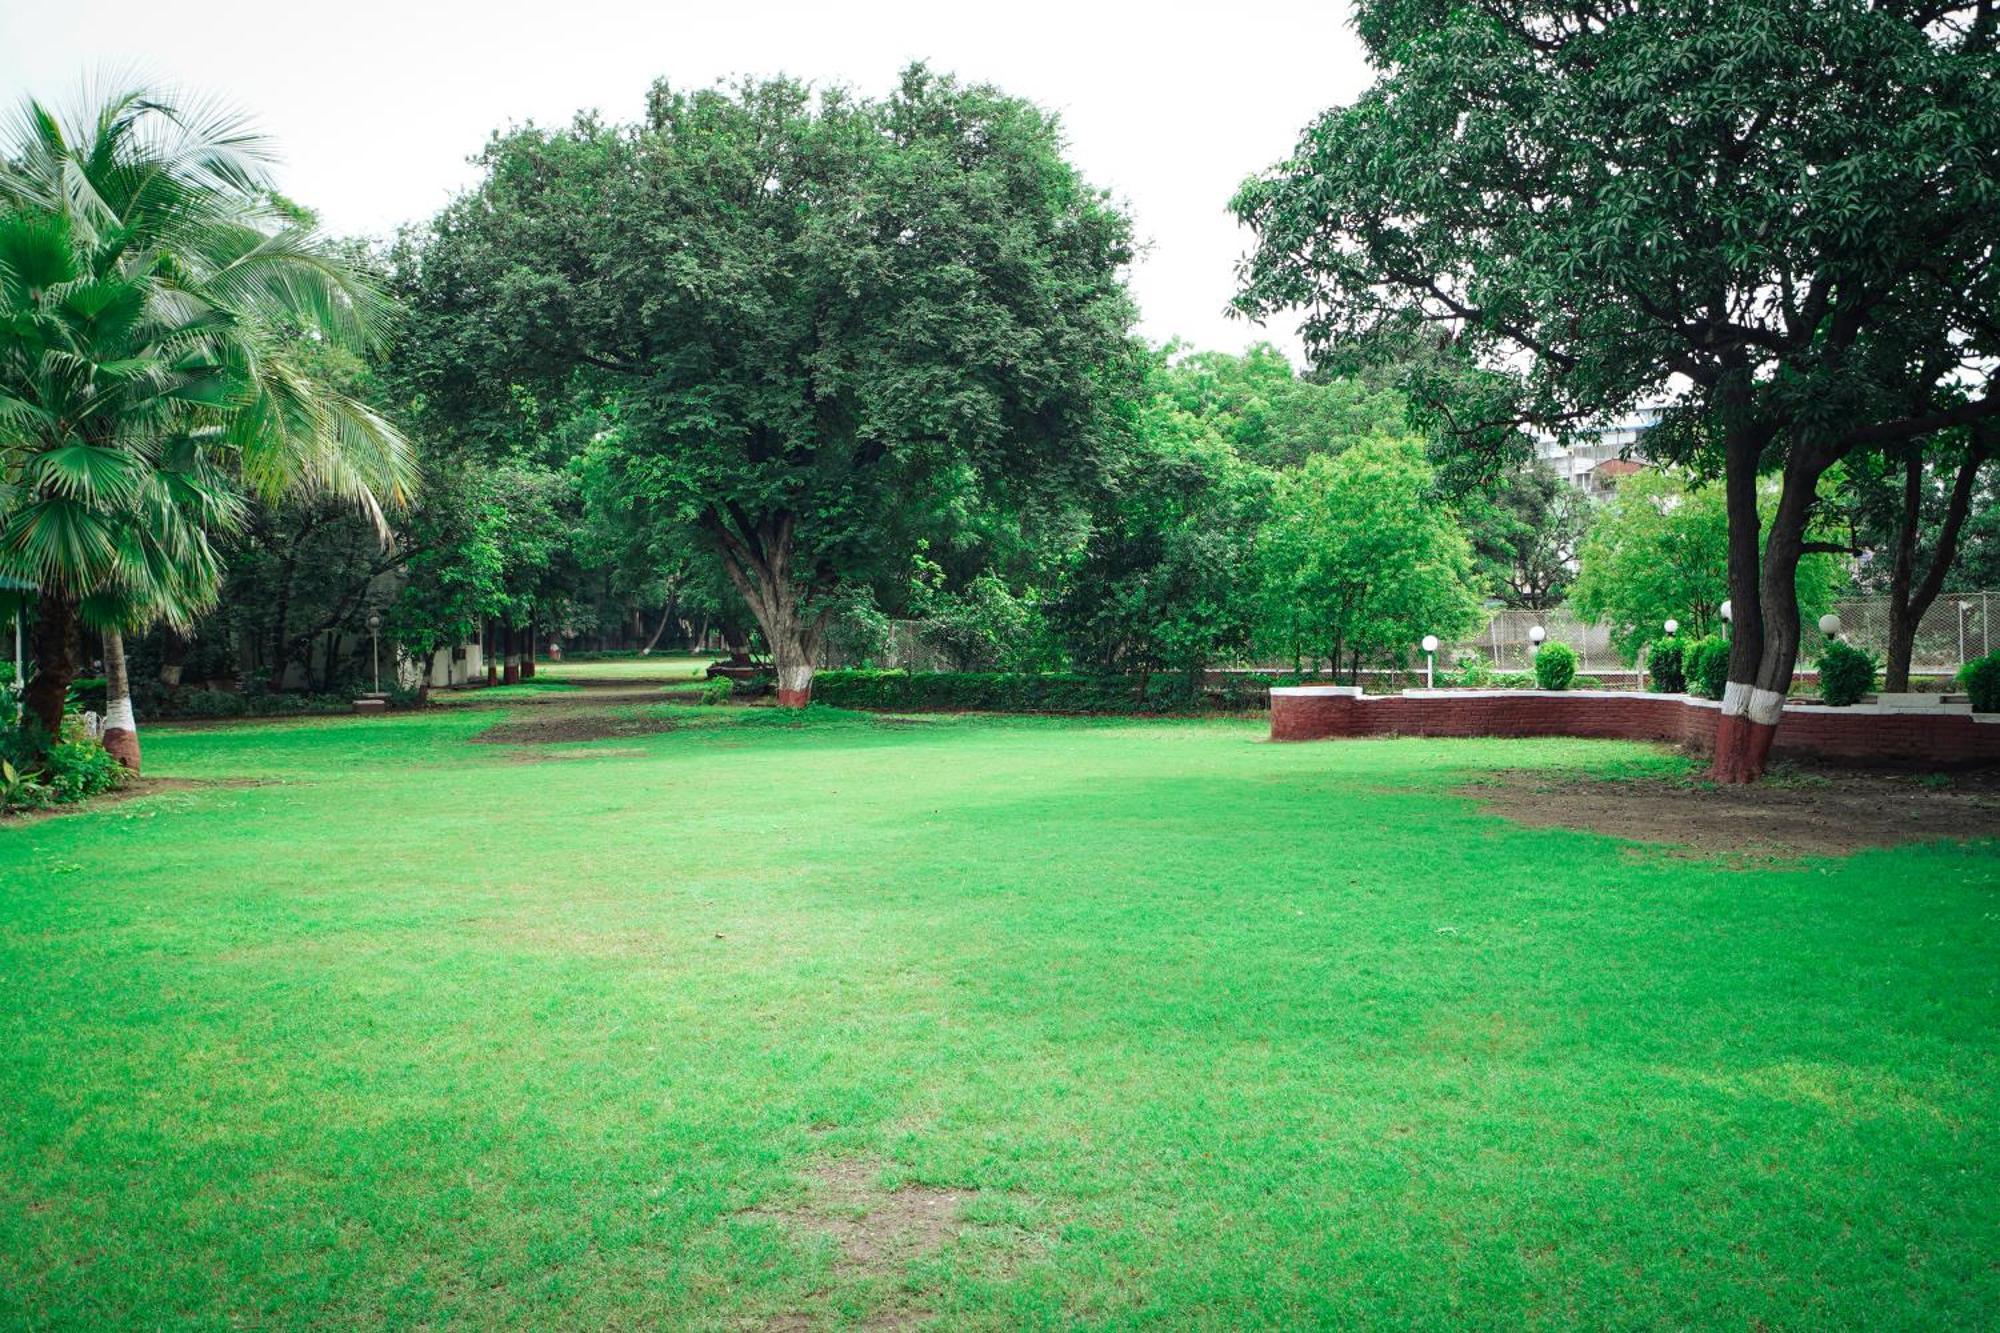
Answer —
1595 460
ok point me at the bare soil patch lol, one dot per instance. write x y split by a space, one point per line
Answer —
877 1230
1797 812
564 727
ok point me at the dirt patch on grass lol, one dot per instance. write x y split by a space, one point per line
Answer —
563 727
1797 812
877 1231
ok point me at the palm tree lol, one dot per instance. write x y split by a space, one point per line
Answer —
158 315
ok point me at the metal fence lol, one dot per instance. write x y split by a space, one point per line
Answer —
1957 628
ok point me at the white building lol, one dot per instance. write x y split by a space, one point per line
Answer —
1595 457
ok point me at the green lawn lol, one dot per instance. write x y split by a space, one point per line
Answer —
1203 1030
659 666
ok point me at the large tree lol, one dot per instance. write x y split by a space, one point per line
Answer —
817 313
1780 216
156 314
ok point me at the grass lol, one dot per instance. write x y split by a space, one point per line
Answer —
660 666
416 1033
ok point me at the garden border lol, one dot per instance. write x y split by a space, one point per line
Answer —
1929 735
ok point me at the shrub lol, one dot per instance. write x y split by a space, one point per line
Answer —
1707 666
1034 692
1845 674
1555 666
1512 680
1473 670
715 691
1981 679
1666 663
76 768
1586 683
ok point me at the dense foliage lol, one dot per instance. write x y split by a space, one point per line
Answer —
1778 217
1034 692
1981 678
1845 674
1555 666
1707 666
1666 665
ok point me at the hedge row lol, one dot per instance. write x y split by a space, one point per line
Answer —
1034 692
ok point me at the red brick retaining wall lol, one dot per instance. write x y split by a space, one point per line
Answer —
1865 734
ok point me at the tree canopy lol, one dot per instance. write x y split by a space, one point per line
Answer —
1779 217
817 313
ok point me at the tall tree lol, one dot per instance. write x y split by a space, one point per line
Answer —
816 313
1783 213
153 303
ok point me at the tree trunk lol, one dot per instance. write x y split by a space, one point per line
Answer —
121 728
173 657
528 650
659 629
1753 707
57 646
486 653
1742 743
510 660
1910 598
759 564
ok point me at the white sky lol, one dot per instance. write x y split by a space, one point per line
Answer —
376 106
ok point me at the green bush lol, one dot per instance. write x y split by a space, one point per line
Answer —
1981 679
1474 671
1586 683
1034 692
715 691
1666 664
1555 666
1845 674
1707 666
78 767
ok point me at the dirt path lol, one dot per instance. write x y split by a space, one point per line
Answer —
1808 812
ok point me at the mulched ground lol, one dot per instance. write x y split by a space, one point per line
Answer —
1795 812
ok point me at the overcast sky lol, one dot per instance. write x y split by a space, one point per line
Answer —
376 106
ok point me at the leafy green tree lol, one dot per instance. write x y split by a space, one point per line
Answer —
1918 510
815 314
1659 551
1525 535
1272 416
1780 215
1359 560
1166 580
153 310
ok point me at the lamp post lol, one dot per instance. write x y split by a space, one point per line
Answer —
1829 625
375 648
1963 609
1672 627
1535 637
1430 661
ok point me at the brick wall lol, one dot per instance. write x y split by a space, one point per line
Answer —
1862 734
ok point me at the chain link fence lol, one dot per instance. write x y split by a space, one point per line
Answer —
1958 628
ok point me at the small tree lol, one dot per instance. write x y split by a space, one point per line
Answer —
1359 560
1659 551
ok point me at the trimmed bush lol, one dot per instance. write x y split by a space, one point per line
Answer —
1981 679
1666 664
1555 666
1845 674
1034 692
1707 666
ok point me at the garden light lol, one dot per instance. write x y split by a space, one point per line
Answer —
1671 627
1829 625
1430 661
